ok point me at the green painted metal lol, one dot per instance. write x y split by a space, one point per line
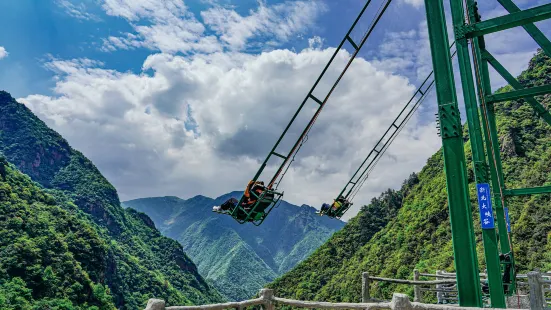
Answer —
532 30
490 133
498 183
256 215
528 191
465 258
489 236
508 21
538 107
518 94
487 100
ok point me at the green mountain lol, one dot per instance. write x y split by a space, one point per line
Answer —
65 237
407 229
238 259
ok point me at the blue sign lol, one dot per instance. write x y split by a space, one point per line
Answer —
507 219
485 206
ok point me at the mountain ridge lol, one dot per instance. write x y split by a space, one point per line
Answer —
139 263
220 246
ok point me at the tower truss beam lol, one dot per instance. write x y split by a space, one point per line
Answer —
508 21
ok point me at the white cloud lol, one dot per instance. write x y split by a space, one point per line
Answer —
76 11
3 52
406 52
159 25
415 3
280 21
202 125
315 42
170 27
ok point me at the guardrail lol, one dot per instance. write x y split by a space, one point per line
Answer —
539 285
446 289
268 302
538 288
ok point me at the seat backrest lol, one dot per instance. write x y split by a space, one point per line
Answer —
267 199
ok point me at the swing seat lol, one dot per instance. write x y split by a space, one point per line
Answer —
340 212
257 212
337 213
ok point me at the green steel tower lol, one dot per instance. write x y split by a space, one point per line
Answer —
479 106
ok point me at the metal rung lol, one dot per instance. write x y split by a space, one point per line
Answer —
374 150
517 94
394 125
352 42
421 92
279 155
354 183
315 99
527 191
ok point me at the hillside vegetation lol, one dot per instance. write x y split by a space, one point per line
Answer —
49 255
117 256
238 259
408 229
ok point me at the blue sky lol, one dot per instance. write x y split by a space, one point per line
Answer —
182 98
33 30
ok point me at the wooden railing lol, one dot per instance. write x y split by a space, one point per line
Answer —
269 302
538 284
534 293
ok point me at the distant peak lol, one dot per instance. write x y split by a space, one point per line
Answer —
5 96
153 198
230 194
199 197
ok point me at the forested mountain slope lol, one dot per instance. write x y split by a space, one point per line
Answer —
135 261
239 259
49 256
410 228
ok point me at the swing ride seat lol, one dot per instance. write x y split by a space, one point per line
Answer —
256 213
337 213
340 212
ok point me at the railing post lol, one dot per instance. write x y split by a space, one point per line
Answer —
267 295
537 299
439 295
400 302
365 288
417 295
155 304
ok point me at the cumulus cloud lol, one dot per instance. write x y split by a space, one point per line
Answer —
3 52
170 27
202 125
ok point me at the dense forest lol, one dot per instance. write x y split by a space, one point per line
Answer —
49 255
238 259
407 229
65 238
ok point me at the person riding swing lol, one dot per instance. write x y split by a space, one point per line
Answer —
249 200
337 204
334 209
